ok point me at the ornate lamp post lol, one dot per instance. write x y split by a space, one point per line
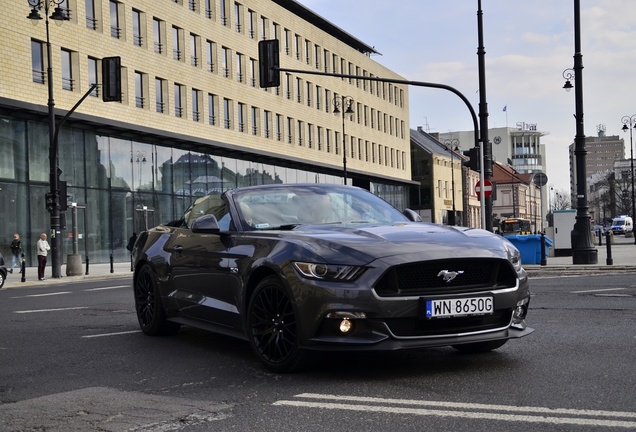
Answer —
452 145
583 251
53 198
343 104
630 123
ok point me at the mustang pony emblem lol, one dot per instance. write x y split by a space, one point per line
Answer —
449 275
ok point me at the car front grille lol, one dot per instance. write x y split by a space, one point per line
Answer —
427 277
412 327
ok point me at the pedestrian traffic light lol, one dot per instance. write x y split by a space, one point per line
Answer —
474 162
268 63
111 76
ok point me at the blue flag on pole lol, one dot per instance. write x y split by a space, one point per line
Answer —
505 107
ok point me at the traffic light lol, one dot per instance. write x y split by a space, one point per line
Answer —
111 76
268 63
50 202
475 162
63 198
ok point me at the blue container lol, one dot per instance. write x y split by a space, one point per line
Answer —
530 247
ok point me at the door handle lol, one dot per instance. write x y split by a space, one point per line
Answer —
178 249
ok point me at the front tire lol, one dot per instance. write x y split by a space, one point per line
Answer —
480 347
150 312
272 328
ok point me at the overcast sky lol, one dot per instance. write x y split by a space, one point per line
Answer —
528 44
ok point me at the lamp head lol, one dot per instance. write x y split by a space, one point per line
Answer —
34 15
624 128
568 85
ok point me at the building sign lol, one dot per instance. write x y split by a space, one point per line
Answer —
526 126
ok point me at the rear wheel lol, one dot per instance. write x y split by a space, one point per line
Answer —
150 312
480 347
272 328
2 279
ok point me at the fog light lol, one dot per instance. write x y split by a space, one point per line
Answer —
521 310
345 326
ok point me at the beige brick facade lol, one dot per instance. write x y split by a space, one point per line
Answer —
377 136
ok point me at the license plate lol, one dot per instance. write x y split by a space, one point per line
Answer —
459 307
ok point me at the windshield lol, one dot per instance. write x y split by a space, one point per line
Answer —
291 205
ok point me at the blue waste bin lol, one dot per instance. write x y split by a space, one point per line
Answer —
530 247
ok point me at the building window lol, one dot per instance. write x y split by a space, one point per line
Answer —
159 92
139 90
136 22
252 72
223 12
241 117
279 127
225 61
194 49
254 120
91 19
290 130
115 30
196 113
178 100
67 70
37 61
210 52
237 18
192 5
301 130
240 77
227 113
263 28
92 75
251 21
212 108
157 30
176 43
267 122
209 9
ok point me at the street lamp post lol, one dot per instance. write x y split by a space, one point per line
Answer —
452 145
343 104
583 251
53 203
631 121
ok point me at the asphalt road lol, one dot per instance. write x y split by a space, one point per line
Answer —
72 359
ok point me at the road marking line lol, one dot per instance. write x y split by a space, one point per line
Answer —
476 406
49 310
111 334
107 288
460 414
597 290
43 295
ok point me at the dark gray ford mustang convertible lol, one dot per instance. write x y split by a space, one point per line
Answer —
304 267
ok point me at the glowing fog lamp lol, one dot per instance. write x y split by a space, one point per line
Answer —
346 324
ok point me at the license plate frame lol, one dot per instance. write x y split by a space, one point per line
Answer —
458 307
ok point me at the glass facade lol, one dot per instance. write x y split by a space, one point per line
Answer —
121 186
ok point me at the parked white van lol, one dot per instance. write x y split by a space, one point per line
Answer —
622 224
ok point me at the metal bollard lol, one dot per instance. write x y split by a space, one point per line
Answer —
112 270
86 264
608 243
544 261
131 262
23 269
600 238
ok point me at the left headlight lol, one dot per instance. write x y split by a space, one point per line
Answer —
514 256
328 272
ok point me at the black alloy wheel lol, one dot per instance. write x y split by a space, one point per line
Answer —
272 327
150 313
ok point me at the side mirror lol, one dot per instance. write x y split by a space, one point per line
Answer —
206 224
412 215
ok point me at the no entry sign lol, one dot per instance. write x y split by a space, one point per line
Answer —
487 189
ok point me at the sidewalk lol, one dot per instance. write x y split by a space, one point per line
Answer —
95 271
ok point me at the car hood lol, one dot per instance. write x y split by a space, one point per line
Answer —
361 244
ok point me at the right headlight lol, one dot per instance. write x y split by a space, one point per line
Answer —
328 272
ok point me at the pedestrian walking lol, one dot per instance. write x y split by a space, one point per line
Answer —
16 252
43 251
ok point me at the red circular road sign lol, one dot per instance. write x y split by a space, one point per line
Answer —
487 188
